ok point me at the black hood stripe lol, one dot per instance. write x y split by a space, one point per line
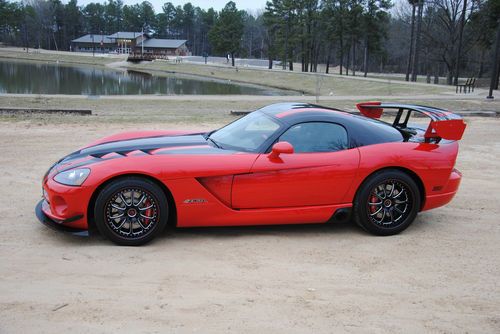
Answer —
146 145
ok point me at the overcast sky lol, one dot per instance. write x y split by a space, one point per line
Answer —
253 5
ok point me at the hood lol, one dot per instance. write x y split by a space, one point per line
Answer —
155 145
139 134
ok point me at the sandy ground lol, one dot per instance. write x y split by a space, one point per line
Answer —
441 275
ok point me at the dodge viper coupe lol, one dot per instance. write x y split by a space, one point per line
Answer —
287 163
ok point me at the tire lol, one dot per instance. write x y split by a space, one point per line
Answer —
387 202
131 211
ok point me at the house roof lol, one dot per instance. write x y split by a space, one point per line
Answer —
97 39
162 43
126 35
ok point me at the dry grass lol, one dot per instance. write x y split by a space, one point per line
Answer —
307 83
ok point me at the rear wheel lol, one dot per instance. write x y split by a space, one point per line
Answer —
131 211
387 202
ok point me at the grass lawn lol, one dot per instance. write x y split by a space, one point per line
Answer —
307 83
62 57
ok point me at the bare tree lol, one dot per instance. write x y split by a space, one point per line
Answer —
410 51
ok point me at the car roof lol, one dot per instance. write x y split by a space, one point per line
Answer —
288 111
362 130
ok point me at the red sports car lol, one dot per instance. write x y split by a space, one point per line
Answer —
287 163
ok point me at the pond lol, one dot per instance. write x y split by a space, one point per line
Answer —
19 77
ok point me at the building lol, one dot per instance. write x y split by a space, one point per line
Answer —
93 43
162 47
127 42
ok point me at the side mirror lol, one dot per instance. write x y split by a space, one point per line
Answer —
282 147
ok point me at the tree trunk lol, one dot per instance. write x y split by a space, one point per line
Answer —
365 59
353 57
328 58
481 65
232 59
348 59
436 75
410 53
449 77
495 60
417 42
341 60
498 75
270 62
303 54
459 49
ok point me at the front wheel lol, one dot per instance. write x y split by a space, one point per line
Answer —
387 202
131 211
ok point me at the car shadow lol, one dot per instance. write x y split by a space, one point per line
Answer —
338 229
262 230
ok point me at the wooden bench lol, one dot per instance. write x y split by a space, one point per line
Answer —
469 84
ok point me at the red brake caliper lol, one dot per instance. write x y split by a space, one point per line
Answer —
148 212
373 199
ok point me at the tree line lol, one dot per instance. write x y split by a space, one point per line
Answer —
434 38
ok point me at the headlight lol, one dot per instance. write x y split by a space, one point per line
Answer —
73 177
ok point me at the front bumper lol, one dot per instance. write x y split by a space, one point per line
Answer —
58 225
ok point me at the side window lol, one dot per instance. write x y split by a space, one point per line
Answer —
316 137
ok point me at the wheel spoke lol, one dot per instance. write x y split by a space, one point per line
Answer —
381 219
118 216
144 216
140 223
392 190
375 213
146 208
399 194
141 200
123 221
373 203
398 210
123 200
117 207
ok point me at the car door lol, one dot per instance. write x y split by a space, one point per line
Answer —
319 172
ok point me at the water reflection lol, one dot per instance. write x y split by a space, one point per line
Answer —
41 78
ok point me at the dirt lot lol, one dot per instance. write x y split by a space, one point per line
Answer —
441 275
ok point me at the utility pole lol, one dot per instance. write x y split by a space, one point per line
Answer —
459 50
494 63
93 46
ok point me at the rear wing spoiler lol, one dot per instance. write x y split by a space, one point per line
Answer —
444 124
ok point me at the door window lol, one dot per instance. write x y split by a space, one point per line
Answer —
316 137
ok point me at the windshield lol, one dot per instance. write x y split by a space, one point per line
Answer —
246 134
